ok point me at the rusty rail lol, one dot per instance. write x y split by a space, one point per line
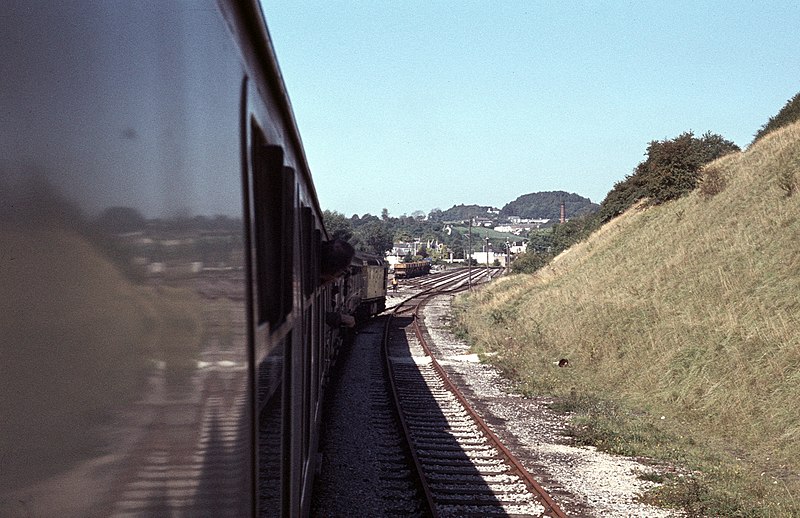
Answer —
551 508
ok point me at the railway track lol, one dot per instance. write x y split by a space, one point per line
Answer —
451 277
463 468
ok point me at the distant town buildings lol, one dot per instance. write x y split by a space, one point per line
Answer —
518 226
513 224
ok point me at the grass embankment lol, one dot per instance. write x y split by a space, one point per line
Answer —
681 324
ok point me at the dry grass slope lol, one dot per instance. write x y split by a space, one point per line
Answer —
689 311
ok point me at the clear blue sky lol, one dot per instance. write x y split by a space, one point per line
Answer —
415 105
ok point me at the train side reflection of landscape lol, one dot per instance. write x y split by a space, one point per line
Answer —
166 331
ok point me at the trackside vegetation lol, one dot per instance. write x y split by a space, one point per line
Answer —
680 319
787 115
672 169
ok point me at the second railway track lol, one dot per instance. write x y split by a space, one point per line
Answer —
463 468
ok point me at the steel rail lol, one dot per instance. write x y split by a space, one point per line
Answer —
397 309
420 299
516 466
406 431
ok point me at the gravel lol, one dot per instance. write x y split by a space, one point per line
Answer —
582 480
363 469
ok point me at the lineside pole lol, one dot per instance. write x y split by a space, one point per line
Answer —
469 255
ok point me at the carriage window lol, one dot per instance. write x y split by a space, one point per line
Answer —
273 199
287 251
311 243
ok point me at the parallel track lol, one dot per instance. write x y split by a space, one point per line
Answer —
463 467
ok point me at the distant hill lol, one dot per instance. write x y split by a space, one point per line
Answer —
547 205
461 212
537 205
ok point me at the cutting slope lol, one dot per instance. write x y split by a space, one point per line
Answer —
689 310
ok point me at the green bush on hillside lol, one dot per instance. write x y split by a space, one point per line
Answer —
671 170
540 241
529 262
788 114
573 231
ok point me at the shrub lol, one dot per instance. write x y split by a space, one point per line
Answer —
671 170
540 241
788 114
573 231
712 182
787 182
623 195
674 165
529 262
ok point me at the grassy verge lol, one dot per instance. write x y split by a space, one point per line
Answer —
699 475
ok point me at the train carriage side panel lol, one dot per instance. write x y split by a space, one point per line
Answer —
123 308
160 274
295 338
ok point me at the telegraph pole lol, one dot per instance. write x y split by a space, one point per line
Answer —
469 255
487 253
508 257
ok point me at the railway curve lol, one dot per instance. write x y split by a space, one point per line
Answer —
463 467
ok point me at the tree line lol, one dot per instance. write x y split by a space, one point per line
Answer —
436 239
